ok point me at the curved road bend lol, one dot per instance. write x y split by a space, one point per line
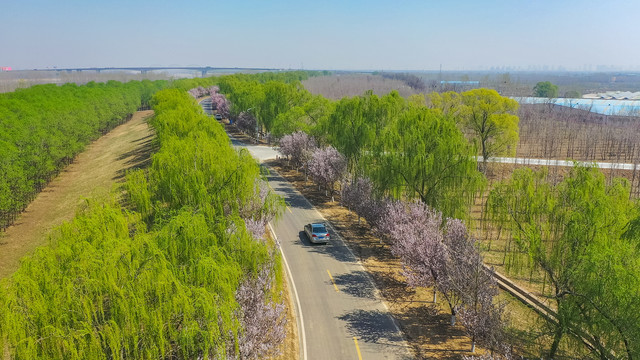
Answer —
343 316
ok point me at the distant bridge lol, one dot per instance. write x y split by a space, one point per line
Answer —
203 70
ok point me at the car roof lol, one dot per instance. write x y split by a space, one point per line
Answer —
317 224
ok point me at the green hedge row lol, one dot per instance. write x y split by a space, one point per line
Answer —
44 127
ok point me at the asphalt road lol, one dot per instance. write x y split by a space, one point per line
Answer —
342 314
339 312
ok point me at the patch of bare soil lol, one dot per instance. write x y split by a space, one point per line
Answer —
425 324
93 174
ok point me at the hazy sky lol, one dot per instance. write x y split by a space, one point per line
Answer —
321 34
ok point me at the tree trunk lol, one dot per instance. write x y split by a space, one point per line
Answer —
453 319
556 341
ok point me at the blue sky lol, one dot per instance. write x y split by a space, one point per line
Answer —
331 34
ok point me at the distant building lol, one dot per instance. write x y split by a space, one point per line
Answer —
614 95
5 68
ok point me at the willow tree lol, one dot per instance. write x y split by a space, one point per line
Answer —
423 154
303 117
491 120
348 129
574 232
448 103
356 124
279 97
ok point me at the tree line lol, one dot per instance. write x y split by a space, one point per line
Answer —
44 127
177 267
424 146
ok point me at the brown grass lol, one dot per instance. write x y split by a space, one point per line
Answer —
92 174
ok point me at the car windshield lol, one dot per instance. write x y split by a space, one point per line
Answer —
319 229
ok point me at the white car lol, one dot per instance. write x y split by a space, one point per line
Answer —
317 233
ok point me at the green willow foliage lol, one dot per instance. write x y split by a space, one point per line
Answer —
580 234
406 149
422 154
159 280
188 84
268 95
44 127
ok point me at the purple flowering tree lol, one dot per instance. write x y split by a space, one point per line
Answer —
357 195
416 238
263 321
483 322
220 103
213 90
260 209
198 92
298 147
247 123
327 166
354 192
476 286
433 255
256 227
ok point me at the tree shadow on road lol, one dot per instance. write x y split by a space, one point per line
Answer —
356 283
375 326
291 197
334 250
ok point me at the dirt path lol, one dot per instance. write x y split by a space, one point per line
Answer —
92 174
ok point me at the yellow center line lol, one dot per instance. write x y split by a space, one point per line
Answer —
355 340
333 282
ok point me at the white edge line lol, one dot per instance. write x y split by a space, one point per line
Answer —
295 293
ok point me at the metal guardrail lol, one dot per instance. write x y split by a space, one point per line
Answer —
543 310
